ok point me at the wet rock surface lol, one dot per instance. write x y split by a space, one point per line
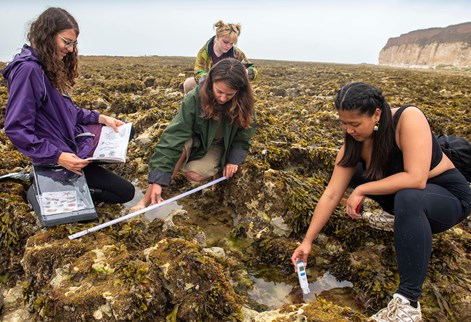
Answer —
196 265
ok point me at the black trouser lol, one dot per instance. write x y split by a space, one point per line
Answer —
107 186
445 201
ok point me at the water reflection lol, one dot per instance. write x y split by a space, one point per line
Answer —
274 294
271 294
270 288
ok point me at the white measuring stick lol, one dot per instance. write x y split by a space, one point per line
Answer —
114 221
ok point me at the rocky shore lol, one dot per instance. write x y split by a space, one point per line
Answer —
199 262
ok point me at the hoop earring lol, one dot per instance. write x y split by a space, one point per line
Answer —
375 129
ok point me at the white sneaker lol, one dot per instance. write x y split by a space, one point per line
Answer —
399 310
382 221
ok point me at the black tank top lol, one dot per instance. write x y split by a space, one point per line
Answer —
396 161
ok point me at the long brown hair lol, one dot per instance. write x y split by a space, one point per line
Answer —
241 106
41 35
365 99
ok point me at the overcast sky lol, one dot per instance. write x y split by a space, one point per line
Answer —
338 31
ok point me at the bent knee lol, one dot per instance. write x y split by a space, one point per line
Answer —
193 176
409 195
189 84
408 201
128 193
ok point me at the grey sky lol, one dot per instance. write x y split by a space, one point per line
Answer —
337 31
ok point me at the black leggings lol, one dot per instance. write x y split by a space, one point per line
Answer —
445 202
107 186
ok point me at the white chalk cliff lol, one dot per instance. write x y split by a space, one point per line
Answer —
449 46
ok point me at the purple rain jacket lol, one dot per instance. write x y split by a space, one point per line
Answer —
40 121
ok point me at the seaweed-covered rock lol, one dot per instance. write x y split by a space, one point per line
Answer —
198 263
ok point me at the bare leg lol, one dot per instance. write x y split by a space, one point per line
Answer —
193 176
190 175
189 84
180 162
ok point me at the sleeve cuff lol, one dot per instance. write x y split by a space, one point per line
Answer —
237 156
160 178
251 73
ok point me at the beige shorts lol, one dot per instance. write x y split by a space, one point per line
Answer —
208 165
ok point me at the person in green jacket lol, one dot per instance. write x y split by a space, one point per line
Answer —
218 47
210 133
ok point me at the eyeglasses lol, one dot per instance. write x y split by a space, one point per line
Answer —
68 43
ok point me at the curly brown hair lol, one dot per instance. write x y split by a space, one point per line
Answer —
241 107
61 72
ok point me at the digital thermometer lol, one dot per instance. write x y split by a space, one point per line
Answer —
303 278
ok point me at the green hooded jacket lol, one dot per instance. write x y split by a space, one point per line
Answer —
187 124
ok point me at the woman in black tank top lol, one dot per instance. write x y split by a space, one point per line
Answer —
394 159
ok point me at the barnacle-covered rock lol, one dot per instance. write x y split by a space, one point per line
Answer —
198 263
139 273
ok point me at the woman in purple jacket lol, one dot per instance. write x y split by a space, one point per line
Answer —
41 120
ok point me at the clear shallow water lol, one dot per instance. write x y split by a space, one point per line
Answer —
275 293
271 288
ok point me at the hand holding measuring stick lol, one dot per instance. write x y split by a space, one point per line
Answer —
114 221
